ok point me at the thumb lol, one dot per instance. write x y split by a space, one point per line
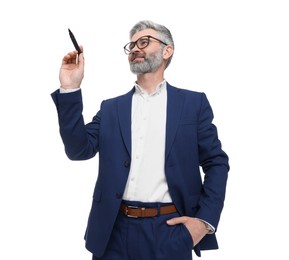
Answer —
81 60
175 221
80 56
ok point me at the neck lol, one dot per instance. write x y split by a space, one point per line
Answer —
150 81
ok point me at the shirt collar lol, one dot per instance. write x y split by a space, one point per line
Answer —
139 90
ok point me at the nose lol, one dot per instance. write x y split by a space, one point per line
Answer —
135 48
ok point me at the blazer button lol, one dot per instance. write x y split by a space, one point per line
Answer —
118 195
126 164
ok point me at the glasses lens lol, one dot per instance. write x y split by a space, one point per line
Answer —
128 47
142 42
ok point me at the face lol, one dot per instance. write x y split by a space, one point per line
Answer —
148 59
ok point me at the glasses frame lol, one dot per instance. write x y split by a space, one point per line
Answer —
127 51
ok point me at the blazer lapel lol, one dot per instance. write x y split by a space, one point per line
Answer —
124 115
174 109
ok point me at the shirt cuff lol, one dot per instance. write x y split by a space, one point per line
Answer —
63 91
210 228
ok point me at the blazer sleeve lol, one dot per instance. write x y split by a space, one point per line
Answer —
214 163
80 140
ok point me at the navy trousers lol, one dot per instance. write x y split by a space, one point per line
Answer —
148 238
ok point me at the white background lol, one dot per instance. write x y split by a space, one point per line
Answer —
234 51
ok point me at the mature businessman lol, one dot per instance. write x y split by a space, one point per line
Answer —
150 200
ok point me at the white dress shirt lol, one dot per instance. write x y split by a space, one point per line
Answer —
147 181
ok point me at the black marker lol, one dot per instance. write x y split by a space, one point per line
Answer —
74 41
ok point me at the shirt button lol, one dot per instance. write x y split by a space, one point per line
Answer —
126 164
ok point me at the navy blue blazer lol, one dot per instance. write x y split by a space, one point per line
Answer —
191 141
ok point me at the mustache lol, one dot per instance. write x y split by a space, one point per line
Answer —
135 55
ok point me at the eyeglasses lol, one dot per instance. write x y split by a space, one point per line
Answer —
141 43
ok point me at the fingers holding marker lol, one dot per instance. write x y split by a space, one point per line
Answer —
70 57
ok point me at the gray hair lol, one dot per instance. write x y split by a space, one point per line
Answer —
163 33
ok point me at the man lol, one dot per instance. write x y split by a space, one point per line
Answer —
149 200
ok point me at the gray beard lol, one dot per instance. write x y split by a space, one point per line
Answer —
150 64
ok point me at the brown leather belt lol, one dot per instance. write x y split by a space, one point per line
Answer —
141 212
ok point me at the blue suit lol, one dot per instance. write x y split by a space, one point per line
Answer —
191 141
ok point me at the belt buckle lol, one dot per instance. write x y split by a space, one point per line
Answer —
132 207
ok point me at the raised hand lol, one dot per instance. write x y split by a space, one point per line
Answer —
72 70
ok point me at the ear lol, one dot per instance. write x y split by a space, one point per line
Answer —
168 52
